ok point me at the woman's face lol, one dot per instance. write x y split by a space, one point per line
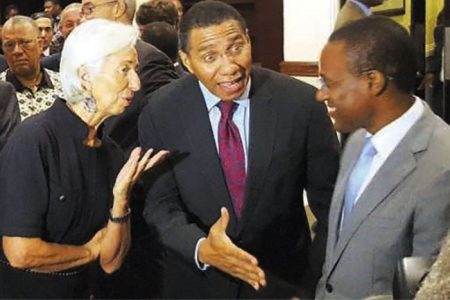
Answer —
114 85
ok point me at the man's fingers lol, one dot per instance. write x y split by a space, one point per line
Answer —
142 164
156 158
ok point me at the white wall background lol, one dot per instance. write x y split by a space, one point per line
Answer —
307 25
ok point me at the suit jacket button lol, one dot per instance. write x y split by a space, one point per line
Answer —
329 288
62 198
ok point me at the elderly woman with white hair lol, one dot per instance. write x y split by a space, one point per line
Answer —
64 194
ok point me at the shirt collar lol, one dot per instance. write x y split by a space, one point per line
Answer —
211 100
390 136
366 10
66 118
45 81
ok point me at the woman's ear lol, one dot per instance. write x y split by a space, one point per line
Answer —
85 78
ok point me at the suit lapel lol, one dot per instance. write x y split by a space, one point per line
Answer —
263 118
398 166
339 191
194 117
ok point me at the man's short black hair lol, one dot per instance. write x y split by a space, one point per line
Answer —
205 14
157 11
379 43
41 14
55 2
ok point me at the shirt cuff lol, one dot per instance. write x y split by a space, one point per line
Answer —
199 264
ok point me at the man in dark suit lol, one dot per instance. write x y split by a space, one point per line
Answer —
392 193
228 205
9 111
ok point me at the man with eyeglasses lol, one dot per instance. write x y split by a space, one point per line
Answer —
36 88
392 195
138 276
70 19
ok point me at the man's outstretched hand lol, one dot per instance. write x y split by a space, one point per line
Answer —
219 251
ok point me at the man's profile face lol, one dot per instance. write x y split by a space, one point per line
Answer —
50 8
220 57
21 49
345 94
69 22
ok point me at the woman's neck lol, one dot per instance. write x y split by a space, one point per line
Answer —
92 120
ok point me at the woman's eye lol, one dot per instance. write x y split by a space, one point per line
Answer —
124 70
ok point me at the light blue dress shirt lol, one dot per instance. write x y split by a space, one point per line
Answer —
241 118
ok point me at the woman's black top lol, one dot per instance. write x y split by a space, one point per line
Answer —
55 188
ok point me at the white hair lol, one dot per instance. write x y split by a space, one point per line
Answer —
71 7
87 46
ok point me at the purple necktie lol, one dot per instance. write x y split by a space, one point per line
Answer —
232 155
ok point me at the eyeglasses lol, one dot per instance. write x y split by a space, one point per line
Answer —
89 8
9 46
324 86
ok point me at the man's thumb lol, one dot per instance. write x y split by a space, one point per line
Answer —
224 218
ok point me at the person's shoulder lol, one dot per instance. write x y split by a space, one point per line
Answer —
283 88
176 89
149 52
262 76
6 88
51 62
33 131
170 95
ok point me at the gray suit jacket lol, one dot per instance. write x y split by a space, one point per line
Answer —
404 211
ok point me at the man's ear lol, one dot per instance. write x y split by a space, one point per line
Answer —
185 60
120 9
377 82
247 35
85 78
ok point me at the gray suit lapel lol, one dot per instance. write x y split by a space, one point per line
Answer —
395 169
349 160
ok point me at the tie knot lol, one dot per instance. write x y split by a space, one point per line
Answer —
368 150
227 109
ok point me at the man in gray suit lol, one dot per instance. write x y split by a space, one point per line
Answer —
392 196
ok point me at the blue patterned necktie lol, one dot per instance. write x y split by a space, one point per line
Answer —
356 179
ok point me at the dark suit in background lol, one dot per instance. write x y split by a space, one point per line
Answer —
9 111
292 147
3 63
51 62
155 70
